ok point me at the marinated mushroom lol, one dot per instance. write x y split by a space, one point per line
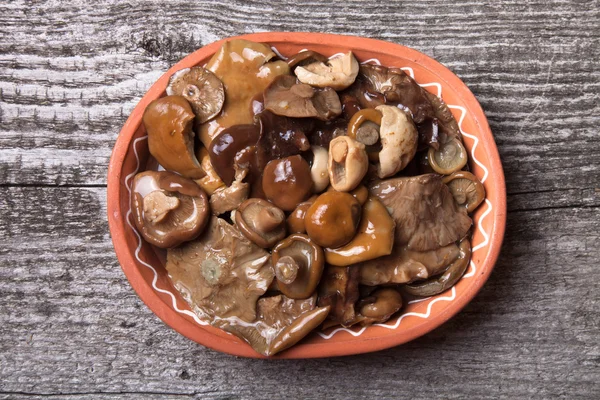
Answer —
318 170
306 57
379 306
167 208
168 122
348 163
448 279
261 222
228 198
467 190
361 194
211 181
287 182
339 290
399 139
426 215
284 96
283 136
299 262
450 157
201 88
332 220
374 237
338 72
295 221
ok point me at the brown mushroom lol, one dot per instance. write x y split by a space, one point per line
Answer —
168 209
297 330
168 122
450 157
332 220
380 306
299 262
374 237
338 289
284 96
283 136
201 88
228 198
306 57
361 194
348 163
211 181
295 221
287 182
426 215
261 222
337 73
467 190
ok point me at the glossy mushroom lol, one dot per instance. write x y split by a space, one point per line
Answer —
450 157
201 88
467 190
318 170
287 182
338 72
228 198
261 222
298 263
306 57
285 96
295 221
168 122
339 290
211 181
399 139
332 220
348 163
168 209
374 237
379 306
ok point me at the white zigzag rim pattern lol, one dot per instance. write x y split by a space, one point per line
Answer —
393 324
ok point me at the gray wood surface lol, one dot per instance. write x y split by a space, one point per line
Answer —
71 327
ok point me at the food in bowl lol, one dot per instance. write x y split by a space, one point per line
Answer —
303 193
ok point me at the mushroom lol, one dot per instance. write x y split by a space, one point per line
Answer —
332 220
211 181
338 289
405 266
398 141
284 96
298 264
467 190
426 215
374 237
448 279
379 306
168 209
295 221
361 194
168 122
287 182
283 136
246 69
318 169
221 275
450 157
201 88
261 222
348 163
337 73
306 57
228 198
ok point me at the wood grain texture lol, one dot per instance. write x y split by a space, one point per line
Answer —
71 327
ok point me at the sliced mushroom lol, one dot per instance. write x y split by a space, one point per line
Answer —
348 163
450 157
246 68
211 181
201 88
380 306
338 73
228 198
261 222
287 182
426 215
295 221
299 262
338 289
448 279
318 169
168 209
398 141
168 122
284 96
374 237
332 220
467 190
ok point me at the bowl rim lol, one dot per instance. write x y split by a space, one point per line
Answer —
317 350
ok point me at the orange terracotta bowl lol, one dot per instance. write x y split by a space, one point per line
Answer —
145 270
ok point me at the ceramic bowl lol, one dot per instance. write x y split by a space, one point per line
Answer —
148 277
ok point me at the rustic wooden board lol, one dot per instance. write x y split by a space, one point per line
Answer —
70 325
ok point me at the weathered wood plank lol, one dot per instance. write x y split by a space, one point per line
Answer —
70 323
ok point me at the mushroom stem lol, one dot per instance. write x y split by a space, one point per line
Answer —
339 151
157 205
269 219
286 269
362 116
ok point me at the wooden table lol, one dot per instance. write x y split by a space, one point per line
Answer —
71 327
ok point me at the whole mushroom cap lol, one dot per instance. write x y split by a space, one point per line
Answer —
467 190
338 72
261 222
332 220
287 182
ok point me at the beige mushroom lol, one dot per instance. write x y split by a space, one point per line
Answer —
348 163
261 222
338 73
399 139
318 169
